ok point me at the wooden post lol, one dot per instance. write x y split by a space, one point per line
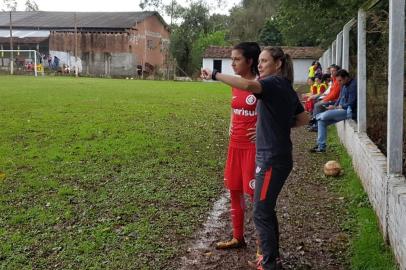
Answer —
361 72
396 85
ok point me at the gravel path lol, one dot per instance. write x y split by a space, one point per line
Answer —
309 212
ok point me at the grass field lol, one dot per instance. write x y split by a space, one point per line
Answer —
367 250
111 174
117 174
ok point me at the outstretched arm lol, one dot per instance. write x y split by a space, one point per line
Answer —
233 81
301 119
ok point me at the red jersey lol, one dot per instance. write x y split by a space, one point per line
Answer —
244 117
334 92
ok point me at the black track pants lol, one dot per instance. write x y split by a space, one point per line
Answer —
270 177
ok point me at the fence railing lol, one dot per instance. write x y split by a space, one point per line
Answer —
382 91
338 53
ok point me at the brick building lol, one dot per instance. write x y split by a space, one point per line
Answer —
108 43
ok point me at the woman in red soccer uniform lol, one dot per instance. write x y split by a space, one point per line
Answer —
239 175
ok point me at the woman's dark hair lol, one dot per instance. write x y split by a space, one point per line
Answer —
337 67
342 73
287 64
325 77
250 50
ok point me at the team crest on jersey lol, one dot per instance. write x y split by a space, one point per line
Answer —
252 184
250 100
258 170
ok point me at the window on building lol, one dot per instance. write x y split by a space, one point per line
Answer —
217 65
150 44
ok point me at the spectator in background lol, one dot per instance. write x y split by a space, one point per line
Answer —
344 108
50 61
328 99
56 63
311 73
318 71
317 89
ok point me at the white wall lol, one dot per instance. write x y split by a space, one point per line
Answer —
386 193
225 65
67 59
300 67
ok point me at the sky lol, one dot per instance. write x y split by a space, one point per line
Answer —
118 5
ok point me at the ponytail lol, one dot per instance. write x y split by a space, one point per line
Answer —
287 68
287 64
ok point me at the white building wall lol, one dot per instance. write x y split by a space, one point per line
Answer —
67 59
225 65
301 69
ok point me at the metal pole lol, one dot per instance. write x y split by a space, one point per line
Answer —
35 64
346 44
361 72
11 47
76 48
339 49
395 87
145 52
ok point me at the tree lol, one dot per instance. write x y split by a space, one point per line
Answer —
305 22
195 22
155 4
270 34
219 22
12 5
31 5
202 43
247 19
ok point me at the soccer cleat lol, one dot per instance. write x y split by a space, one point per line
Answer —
233 243
257 264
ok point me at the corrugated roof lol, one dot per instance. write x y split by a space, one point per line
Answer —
294 52
24 33
65 20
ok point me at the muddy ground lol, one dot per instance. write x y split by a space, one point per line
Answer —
309 211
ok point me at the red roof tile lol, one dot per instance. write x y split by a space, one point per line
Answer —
294 52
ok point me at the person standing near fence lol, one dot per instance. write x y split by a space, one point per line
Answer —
279 109
239 173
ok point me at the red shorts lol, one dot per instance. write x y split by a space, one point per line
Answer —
239 173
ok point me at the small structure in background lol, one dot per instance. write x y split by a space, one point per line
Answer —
216 57
107 43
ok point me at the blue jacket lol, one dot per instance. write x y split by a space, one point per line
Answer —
348 96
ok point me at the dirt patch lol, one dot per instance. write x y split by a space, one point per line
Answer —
309 212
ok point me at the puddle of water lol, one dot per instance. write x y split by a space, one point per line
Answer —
207 235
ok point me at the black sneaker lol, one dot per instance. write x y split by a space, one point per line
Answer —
317 150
